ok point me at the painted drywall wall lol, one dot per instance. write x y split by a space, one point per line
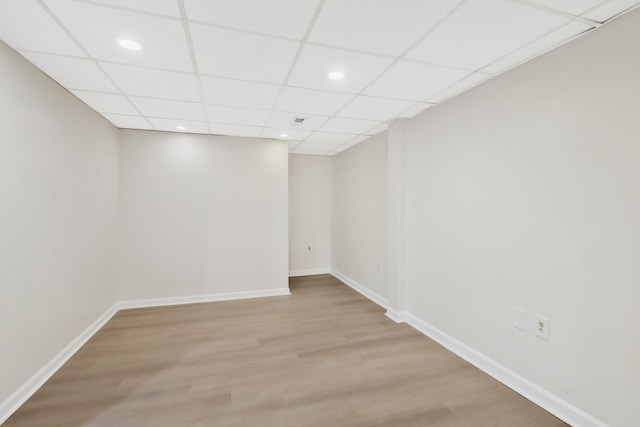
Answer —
201 215
309 214
524 192
58 218
359 218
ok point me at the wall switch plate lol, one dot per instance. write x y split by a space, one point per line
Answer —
542 327
519 318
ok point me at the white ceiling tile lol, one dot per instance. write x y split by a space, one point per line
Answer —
160 7
236 116
292 134
353 126
167 109
330 138
240 94
318 146
285 18
238 55
234 130
128 122
368 107
171 125
285 120
610 9
316 62
106 102
377 26
538 47
49 37
575 7
415 110
482 31
153 83
459 87
309 101
414 81
100 28
73 73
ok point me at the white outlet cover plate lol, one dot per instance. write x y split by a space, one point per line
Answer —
542 327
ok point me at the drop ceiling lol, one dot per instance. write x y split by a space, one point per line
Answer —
252 67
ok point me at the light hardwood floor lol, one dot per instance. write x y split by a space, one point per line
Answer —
325 356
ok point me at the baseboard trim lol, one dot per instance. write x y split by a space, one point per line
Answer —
381 301
309 272
17 399
396 316
195 299
22 394
538 395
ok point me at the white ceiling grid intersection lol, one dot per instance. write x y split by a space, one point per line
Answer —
251 67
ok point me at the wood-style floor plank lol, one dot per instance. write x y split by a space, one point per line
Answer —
325 356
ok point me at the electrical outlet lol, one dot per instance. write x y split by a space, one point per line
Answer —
519 318
542 327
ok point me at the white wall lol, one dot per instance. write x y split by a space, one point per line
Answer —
309 214
201 215
58 218
359 232
525 192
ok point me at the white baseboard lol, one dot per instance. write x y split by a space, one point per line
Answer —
309 272
194 299
396 316
538 395
381 301
13 402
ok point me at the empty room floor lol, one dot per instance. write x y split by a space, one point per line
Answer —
325 356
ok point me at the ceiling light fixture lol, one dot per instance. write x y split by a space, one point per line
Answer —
284 135
336 75
181 128
130 44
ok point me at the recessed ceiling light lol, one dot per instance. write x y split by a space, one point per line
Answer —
284 135
130 44
181 128
336 75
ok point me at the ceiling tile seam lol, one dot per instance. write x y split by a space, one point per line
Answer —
464 89
351 50
435 64
529 58
216 76
194 62
206 104
243 31
301 46
617 15
244 108
331 117
554 11
379 55
230 78
410 47
57 20
126 9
